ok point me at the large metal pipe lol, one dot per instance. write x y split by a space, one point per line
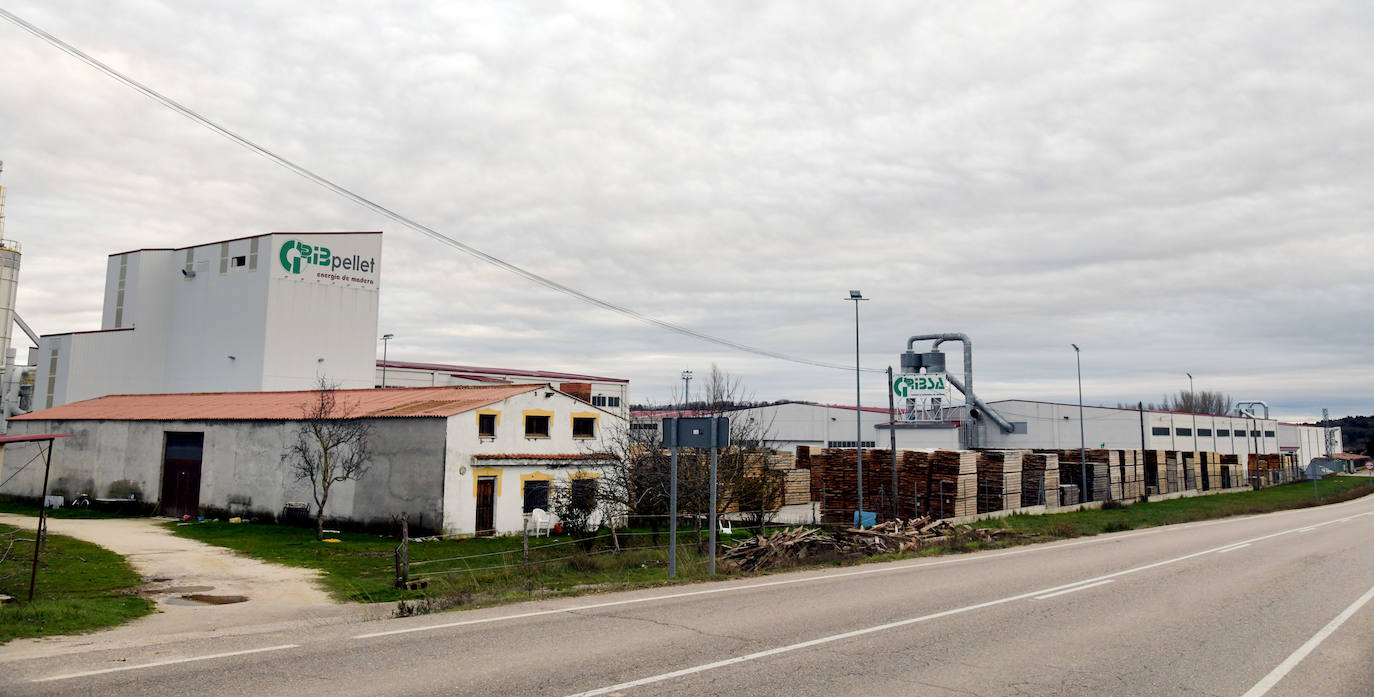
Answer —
973 399
967 386
27 329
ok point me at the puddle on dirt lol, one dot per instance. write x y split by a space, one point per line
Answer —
202 599
177 590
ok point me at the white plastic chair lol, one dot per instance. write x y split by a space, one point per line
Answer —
540 522
725 528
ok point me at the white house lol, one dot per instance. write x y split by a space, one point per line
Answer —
268 312
463 460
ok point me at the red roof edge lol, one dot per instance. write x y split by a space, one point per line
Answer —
34 437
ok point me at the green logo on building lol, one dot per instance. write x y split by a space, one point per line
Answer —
294 253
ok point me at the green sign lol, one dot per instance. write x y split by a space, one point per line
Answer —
916 386
294 253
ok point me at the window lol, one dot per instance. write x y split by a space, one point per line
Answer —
1223 433
1183 431
612 401
536 426
1204 432
849 444
1268 434
644 426
1159 431
486 425
584 427
239 261
536 495
224 257
602 400
583 494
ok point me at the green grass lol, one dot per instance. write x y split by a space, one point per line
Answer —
467 571
31 508
1145 515
487 571
81 587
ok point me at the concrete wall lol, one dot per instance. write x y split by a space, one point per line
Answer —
242 462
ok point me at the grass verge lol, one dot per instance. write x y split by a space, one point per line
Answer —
1173 511
489 571
81 587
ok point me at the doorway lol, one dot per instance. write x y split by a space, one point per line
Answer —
181 460
486 505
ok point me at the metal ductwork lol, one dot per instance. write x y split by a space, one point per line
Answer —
918 360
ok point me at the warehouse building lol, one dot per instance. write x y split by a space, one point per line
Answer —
269 312
1036 425
463 460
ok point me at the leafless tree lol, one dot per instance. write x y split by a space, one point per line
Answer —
1201 402
331 446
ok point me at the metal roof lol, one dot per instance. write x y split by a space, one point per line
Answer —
541 374
34 437
391 402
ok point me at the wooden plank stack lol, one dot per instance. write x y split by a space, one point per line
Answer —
1099 466
953 483
1157 471
999 480
1040 480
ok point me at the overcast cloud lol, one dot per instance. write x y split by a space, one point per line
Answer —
1173 186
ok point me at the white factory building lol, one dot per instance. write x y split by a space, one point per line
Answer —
269 312
1036 425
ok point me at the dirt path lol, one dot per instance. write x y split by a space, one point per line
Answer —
277 596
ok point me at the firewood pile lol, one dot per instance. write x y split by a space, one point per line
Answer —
792 546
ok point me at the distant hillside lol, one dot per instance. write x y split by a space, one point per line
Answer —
1357 434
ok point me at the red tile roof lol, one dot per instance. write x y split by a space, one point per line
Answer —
279 406
449 368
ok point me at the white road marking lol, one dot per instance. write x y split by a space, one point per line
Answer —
168 662
945 613
1075 589
1310 529
1269 681
845 574
1232 549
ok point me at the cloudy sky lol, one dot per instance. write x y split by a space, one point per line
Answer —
1173 186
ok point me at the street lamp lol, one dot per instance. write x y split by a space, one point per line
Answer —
856 296
1082 440
686 390
385 338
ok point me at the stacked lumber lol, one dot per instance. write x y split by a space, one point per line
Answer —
1174 467
1116 475
1040 480
953 483
835 479
1099 476
796 487
999 480
1068 494
803 457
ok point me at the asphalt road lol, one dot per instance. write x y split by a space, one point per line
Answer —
1266 605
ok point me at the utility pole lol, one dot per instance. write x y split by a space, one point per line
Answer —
856 296
686 390
1082 438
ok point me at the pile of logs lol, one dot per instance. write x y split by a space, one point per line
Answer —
792 546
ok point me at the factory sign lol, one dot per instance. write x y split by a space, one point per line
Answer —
332 260
917 386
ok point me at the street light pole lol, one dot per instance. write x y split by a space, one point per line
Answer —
1192 406
1082 438
686 390
385 338
856 296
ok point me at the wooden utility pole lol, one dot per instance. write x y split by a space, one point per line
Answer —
403 554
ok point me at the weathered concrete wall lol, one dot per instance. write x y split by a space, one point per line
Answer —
241 469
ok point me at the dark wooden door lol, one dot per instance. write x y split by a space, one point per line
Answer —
486 505
181 474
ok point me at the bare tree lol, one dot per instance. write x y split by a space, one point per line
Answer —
331 446
1202 402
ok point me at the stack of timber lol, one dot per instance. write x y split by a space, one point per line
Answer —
1068 494
834 483
797 487
1156 472
1040 480
1192 471
999 480
1116 475
1133 467
953 488
1099 464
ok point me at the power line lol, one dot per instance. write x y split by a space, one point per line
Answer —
397 217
